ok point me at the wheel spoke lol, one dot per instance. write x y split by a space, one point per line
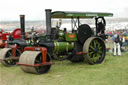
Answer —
100 52
93 55
91 49
95 43
98 45
96 57
91 46
91 52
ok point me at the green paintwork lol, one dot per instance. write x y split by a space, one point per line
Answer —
42 37
61 34
61 47
29 43
67 14
70 39
95 44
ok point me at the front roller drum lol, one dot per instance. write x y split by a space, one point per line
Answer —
29 59
95 49
6 57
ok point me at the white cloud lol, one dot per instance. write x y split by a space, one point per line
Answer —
34 9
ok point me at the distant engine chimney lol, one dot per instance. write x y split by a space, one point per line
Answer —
22 25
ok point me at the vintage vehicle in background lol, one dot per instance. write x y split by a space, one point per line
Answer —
16 34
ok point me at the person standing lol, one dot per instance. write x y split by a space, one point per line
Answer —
116 39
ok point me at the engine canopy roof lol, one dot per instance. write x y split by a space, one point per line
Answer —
72 14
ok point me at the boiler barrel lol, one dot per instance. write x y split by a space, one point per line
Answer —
61 47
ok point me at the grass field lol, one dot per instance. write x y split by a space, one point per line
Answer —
114 71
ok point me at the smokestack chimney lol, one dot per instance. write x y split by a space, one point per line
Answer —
22 25
48 22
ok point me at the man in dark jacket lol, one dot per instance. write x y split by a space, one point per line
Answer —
116 39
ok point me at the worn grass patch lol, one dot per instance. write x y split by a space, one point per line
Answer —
114 71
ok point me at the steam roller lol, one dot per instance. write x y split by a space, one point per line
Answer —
79 44
16 42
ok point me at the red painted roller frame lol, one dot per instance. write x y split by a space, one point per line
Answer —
44 56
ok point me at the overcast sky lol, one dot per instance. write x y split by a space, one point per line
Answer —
34 9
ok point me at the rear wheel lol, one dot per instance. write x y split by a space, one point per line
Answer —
95 49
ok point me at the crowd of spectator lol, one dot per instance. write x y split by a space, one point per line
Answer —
119 38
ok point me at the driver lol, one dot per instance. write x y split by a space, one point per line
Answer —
100 22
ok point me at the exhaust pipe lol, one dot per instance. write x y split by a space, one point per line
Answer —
22 25
48 23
